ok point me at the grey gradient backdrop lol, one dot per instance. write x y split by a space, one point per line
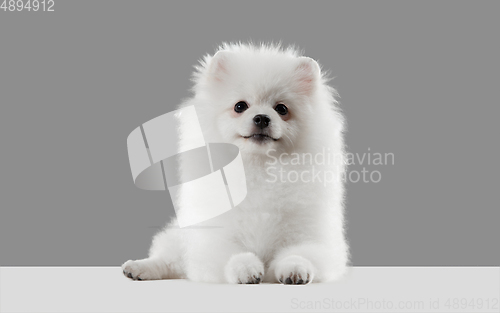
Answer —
418 79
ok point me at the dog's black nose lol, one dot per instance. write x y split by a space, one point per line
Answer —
261 120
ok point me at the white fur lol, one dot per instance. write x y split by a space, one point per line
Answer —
282 229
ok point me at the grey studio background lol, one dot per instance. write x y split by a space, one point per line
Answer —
417 79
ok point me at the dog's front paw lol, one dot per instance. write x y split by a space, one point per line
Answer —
138 270
294 270
244 268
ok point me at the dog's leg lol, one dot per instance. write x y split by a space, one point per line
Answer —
164 261
301 264
244 268
149 269
212 257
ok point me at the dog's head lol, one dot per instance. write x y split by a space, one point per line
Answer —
258 98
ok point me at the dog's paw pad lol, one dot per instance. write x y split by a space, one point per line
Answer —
244 268
127 274
137 270
254 279
294 270
295 279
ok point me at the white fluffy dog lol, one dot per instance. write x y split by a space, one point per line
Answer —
276 106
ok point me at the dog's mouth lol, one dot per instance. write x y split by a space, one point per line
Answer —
260 137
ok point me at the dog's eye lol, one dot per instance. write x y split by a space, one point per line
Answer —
240 107
281 109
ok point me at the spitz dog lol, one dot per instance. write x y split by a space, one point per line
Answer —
276 106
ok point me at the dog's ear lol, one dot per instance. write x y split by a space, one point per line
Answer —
219 65
307 75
